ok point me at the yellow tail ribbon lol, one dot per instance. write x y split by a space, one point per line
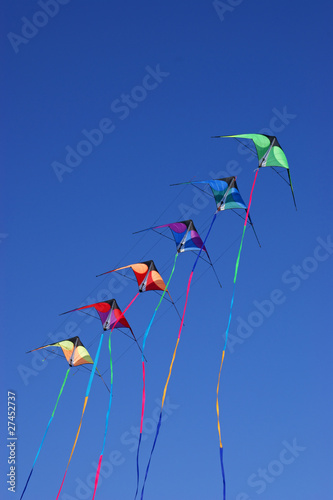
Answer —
170 370
78 431
217 400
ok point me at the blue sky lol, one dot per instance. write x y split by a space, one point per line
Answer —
104 106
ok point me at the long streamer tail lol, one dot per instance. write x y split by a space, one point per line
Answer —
174 354
144 376
165 388
83 409
106 422
110 399
222 468
218 423
226 335
141 424
47 428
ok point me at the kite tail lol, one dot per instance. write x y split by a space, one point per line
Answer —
166 385
227 332
151 453
110 398
47 428
174 354
218 423
106 422
158 305
144 378
83 409
222 468
141 424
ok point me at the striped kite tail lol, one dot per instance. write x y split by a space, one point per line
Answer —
166 385
227 332
47 428
144 377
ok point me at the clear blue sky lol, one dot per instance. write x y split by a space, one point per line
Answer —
158 79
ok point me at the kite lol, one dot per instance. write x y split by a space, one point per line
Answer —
76 355
226 194
148 279
146 274
270 154
111 317
109 313
186 238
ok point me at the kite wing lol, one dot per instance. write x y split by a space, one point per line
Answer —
73 349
